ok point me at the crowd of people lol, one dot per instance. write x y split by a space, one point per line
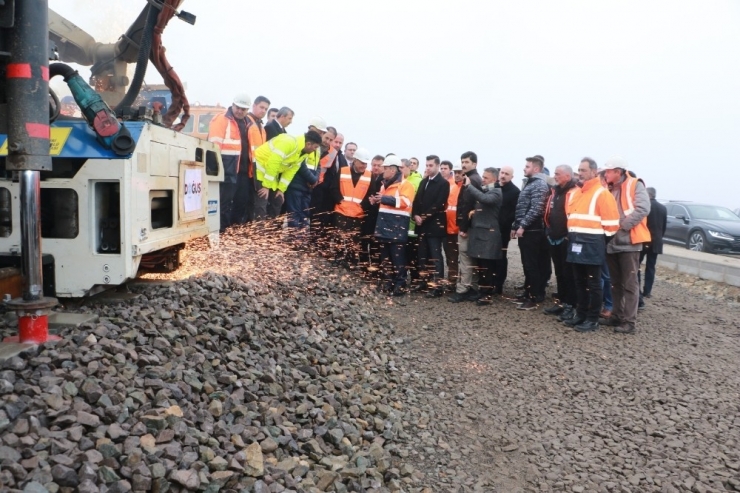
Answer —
447 229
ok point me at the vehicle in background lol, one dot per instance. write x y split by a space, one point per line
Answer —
200 115
703 227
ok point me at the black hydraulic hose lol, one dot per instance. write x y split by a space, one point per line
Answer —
61 69
145 48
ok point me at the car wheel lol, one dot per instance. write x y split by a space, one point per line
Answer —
698 242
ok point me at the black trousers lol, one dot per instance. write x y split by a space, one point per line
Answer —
226 192
395 254
652 260
347 230
412 259
564 274
502 264
487 275
536 261
431 265
588 290
243 199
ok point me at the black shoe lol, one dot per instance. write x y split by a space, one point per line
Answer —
419 287
520 299
435 293
398 292
568 313
625 328
641 305
554 310
647 295
384 288
484 300
472 295
576 320
587 327
610 322
458 297
527 305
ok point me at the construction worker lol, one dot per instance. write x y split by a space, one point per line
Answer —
409 170
229 132
370 249
453 174
348 193
271 114
392 226
247 206
623 253
278 161
593 219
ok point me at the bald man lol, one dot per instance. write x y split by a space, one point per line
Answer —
510 194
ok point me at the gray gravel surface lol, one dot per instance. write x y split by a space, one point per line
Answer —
264 373
512 401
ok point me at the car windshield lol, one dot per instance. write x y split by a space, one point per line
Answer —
712 213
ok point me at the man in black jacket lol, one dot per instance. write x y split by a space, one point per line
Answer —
656 222
507 214
556 227
529 228
277 126
429 214
467 289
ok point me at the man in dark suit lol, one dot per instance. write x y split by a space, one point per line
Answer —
430 216
276 126
506 217
656 222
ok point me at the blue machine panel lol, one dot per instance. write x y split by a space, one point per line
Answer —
74 138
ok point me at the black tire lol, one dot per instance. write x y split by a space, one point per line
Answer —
697 242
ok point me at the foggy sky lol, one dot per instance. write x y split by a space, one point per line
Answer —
656 82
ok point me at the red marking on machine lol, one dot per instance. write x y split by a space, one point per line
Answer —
33 329
38 130
19 71
45 73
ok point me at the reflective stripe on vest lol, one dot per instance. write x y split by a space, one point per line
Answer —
589 222
352 194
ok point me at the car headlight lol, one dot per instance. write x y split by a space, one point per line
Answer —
720 235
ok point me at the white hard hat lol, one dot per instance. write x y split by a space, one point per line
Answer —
615 162
457 166
318 122
391 161
243 100
363 155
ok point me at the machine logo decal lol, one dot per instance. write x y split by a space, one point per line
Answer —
212 207
57 138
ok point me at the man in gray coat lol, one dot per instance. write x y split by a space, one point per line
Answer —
484 235
623 251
